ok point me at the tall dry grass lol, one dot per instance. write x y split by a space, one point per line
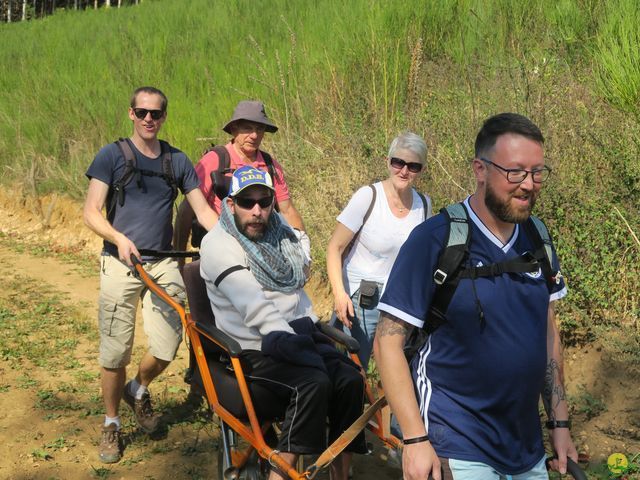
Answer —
342 80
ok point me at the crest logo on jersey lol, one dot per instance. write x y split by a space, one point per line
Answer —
536 274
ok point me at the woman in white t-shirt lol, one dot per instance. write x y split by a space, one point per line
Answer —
358 251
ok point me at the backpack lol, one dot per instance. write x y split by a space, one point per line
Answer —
450 268
220 178
220 183
367 214
116 195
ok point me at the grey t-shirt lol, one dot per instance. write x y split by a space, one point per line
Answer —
147 214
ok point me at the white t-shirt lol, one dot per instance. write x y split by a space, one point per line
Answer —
377 246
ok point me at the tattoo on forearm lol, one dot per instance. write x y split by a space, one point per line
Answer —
391 325
553 392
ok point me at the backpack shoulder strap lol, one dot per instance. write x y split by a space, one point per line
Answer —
370 209
425 205
538 233
268 160
457 242
116 189
167 168
219 179
451 259
227 272
367 214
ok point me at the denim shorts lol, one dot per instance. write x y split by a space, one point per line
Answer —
466 470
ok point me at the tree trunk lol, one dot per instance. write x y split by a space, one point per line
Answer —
24 10
8 11
95 4
107 3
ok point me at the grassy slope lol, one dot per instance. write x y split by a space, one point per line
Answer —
341 80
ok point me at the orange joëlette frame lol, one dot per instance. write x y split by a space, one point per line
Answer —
254 433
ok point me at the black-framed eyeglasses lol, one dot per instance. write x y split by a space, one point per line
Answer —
247 203
518 175
398 163
141 113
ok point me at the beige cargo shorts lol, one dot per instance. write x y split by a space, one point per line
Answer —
120 291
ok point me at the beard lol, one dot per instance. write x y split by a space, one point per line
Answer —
504 211
255 234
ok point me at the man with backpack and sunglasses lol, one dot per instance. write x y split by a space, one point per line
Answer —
137 180
481 279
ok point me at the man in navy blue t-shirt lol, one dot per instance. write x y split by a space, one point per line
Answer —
141 219
469 402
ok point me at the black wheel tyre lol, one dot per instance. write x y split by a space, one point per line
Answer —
255 469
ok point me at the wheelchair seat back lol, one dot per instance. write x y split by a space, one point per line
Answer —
267 405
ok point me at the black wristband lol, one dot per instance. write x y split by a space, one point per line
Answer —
551 424
409 441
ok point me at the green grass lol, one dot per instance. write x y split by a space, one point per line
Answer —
36 324
62 97
619 62
341 80
40 333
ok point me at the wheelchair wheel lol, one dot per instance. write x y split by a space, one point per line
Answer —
256 468
227 442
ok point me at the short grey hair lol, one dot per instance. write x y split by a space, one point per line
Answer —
409 141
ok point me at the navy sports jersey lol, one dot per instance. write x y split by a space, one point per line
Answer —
147 214
478 382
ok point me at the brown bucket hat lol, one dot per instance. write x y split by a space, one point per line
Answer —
253 111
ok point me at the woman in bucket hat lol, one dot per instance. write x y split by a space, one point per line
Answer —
247 127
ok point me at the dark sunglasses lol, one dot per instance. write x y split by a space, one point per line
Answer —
248 203
398 163
141 113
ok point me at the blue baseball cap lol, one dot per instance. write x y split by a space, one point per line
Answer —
247 176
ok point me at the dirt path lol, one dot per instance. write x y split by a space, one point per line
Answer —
51 413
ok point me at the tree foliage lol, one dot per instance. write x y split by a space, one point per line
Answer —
21 10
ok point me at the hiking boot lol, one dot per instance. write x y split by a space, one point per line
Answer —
109 449
147 420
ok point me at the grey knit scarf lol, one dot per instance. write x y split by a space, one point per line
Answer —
276 260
